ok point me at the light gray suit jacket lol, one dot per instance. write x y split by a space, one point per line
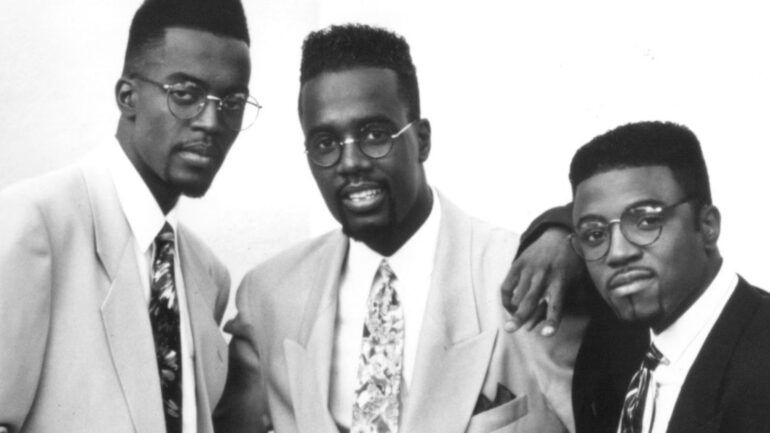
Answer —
281 352
76 346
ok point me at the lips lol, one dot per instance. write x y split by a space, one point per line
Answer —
629 280
200 153
362 197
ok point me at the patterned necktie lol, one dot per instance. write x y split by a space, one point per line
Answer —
633 406
164 316
376 406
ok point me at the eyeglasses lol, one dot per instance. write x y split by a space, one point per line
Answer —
374 141
187 100
641 225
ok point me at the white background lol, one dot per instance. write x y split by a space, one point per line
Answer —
511 89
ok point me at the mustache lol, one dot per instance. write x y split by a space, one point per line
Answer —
628 274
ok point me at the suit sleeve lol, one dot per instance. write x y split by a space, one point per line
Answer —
558 217
243 407
25 306
222 278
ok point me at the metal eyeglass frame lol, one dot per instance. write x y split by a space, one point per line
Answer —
357 142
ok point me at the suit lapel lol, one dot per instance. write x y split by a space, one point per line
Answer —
698 403
309 357
210 348
124 310
452 354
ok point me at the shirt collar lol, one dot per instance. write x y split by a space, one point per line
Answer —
697 321
142 212
415 257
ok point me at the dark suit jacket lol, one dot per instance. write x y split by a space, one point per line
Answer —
726 390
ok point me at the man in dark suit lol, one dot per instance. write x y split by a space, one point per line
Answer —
688 346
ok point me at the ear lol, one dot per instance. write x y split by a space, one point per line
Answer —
710 225
423 137
125 97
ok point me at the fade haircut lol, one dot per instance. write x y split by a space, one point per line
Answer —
646 144
154 17
343 47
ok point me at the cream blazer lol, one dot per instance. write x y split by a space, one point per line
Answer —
76 345
281 351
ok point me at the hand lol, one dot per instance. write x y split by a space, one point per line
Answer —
535 286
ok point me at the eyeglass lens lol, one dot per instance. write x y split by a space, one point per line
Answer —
238 111
639 225
374 141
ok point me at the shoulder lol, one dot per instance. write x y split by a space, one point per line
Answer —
205 255
284 282
485 239
50 188
57 198
297 258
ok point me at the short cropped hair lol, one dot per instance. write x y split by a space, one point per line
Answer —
154 17
646 144
343 47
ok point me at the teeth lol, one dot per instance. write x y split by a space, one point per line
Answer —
364 195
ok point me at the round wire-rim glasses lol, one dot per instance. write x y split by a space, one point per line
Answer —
641 225
186 100
378 146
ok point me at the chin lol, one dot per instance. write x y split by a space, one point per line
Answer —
195 190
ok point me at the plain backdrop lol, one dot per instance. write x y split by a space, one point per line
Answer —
511 89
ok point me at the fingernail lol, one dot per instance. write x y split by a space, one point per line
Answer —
547 331
510 326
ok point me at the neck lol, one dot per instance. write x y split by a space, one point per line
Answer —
166 197
710 272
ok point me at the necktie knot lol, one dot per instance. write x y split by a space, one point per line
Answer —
652 358
384 272
165 236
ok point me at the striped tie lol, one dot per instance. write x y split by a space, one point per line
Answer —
633 406
376 406
164 316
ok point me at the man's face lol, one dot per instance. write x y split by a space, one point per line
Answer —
367 195
655 283
176 156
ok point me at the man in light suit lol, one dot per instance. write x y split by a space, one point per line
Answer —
666 285
436 357
105 328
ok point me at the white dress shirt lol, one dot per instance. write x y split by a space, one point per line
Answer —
412 265
680 344
146 219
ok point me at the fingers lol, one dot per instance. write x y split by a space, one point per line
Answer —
538 314
525 299
508 288
555 296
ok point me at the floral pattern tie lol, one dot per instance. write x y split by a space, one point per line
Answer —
633 406
376 403
164 317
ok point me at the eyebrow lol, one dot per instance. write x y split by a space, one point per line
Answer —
638 203
329 128
178 77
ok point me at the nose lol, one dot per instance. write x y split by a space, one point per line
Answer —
621 250
209 118
352 160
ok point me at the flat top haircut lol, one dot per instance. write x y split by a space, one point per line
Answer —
349 46
646 144
221 17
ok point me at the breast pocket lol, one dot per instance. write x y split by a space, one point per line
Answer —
498 419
